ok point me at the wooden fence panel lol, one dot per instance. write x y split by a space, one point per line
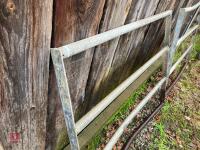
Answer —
25 35
94 73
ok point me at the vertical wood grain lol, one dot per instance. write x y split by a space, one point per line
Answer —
25 34
94 73
73 20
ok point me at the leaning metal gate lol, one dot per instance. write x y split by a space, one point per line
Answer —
167 52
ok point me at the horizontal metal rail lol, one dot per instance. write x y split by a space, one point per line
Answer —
129 119
181 17
60 53
94 112
155 112
188 9
188 33
180 59
176 42
82 45
193 18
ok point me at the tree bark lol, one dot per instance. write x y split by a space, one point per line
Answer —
25 35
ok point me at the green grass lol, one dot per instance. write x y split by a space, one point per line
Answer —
169 112
121 113
173 130
197 43
171 127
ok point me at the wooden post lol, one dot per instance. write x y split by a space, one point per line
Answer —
25 35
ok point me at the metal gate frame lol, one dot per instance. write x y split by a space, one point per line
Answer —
177 42
60 53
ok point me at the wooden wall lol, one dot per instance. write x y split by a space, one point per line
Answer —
25 35
29 101
94 73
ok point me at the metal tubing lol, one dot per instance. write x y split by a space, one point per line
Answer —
193 18
188 33
94 112
180 20
82 45
139 129
188 9
65 97
129 119
58 54
155 112
180 59
179 23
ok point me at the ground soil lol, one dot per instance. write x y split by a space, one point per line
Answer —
177 126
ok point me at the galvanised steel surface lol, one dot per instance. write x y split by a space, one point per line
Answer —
189 9
65 97
186 53
58 54
188 33
161 85
169 71
95 111
193 19
181 18
82 45
180 59
130 118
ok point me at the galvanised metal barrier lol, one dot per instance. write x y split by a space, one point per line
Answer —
59 54
176 41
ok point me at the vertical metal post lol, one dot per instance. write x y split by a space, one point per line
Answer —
167 60
179 23
65 97
193 18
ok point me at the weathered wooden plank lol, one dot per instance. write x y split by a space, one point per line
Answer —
155 34
91 77
73 20
115 14
134 41
25 34
90 131
102 83
131 52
